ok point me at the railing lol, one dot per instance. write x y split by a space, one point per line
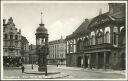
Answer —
98 46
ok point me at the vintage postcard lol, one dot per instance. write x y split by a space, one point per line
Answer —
64 40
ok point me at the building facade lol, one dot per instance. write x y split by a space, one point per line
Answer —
99 42
25 49
57 52
11 43
33 57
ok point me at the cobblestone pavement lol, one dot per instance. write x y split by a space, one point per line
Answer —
61 72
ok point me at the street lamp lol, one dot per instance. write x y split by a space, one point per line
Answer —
42 47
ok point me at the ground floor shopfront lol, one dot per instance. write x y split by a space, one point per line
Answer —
98 58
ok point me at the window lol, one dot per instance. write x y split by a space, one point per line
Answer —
5 36
99 37
11 36
93 40
11 43
16 37
86 42
16 44
70 47
79 45
114 38
107 37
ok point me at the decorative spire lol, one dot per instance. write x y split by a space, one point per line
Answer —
100 11
41 18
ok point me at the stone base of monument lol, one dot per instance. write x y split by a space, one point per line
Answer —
50 74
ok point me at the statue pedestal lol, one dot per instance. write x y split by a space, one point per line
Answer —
41 69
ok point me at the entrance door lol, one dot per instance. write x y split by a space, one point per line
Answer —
86 62
79 61
101 60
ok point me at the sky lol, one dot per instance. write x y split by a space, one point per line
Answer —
59 18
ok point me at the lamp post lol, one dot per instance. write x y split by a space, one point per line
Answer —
42 47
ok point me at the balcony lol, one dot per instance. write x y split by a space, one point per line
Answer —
98 46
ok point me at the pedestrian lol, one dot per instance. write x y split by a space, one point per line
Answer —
57 64
22 68
32 66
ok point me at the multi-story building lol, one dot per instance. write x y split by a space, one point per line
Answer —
11 43
57 52
99 42
25 49
33 57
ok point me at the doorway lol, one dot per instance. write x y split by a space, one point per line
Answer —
79 61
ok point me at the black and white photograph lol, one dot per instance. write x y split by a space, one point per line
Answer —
64 40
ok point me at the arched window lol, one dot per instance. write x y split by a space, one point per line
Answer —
93 40
16 37
114 38
99 37
71 47
107 37
86 42
79 45
123 36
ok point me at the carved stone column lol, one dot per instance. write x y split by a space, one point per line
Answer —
118 36
103 35
104 60
97 64
95 37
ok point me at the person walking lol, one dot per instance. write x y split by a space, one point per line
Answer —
22 68
32 66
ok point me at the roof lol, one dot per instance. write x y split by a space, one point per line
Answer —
82 29
83 26
57 41
105 19
24 39
41 29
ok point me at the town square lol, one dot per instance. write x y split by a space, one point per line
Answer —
64 41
